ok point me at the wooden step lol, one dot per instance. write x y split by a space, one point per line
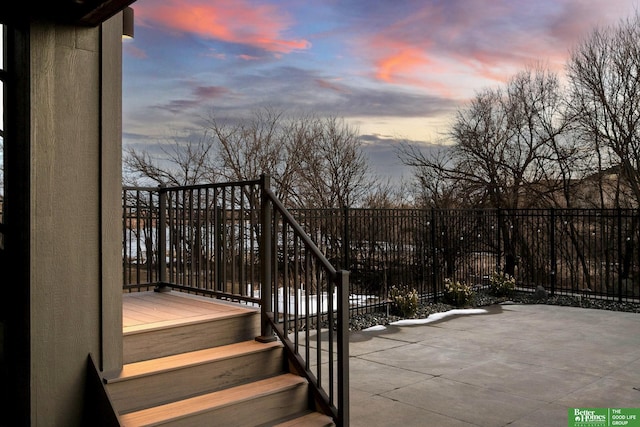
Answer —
158 381
252 404
198 328
308 419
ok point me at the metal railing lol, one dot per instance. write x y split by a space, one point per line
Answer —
311 303
237 242
202 238
589 252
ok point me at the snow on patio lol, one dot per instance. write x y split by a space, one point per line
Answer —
432 318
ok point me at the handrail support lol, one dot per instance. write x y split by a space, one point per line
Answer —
266 328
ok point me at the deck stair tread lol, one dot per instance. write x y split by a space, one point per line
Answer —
192 361
211 401
310 419
182 360
156 324
144 309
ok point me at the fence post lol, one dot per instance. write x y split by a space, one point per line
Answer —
345 239
342 279
266 329
552 244
218 247
499 239
162 239
620 255
434 257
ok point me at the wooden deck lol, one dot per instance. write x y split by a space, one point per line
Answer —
192 360
149 310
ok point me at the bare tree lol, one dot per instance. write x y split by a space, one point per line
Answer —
298 134
180 163
250 147
506 152
604 73
389 195
334 171
432 186
267 142
504 144
313 161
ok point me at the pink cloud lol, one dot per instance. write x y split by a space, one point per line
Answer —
489 41
401 61
234 21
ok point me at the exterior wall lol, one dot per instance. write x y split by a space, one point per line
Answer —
111 196
75 280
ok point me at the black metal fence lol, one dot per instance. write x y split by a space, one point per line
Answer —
590 252
567 251
202 238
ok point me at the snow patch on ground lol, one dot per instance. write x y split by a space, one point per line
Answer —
432 318
376 328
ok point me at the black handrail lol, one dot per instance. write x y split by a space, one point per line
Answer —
287 274
213 239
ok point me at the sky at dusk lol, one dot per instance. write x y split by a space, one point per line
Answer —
393 69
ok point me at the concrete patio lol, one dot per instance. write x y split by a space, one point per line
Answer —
516 365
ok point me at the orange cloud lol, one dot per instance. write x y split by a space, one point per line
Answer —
397 63
437 44
234 21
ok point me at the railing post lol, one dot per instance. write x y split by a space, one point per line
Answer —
620 255
499 237
162 239
218 238
346 254
266 217
342 279
434 257
552 244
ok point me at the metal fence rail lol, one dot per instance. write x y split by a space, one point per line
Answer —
567 251
590 252
200 238
140 216
212 239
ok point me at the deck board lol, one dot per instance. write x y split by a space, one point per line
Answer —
144 309
220 399
167 363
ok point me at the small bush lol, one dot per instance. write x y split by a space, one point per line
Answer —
456 293
404 301
501 284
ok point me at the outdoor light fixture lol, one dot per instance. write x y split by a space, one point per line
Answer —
127 23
